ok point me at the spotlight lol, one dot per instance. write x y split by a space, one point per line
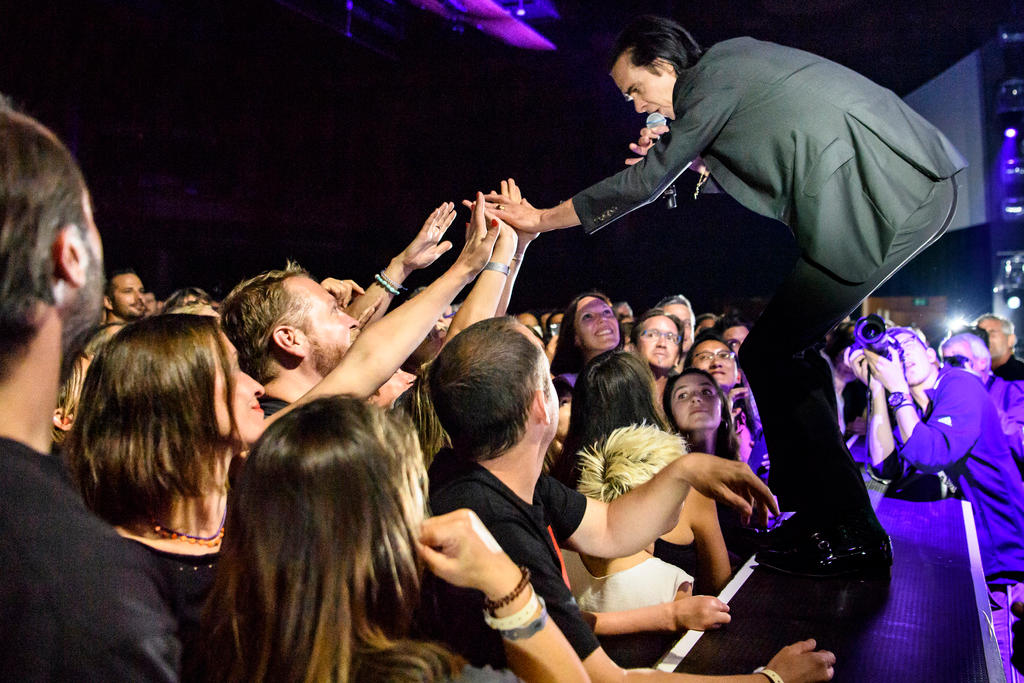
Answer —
955 324
521 11
1010 278
1010 133
1010 97
1013 208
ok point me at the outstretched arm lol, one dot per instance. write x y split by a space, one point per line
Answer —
482 301
424 249
383 346
524 217
632 521
686 613
511 190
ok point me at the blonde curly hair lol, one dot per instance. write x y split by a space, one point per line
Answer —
628 457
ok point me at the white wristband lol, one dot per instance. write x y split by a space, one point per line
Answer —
521 618
772 676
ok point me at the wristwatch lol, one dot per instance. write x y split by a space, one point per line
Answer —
897 399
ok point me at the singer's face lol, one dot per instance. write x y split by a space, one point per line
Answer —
649 88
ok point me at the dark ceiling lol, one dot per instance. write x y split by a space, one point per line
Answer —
221 136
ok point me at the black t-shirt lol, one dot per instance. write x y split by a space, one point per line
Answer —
271 405
1012 370
524 531
189 579
77 601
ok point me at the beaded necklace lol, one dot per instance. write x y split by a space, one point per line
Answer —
206 541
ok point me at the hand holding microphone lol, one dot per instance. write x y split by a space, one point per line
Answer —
656 126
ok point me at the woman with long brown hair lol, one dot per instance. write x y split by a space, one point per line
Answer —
588 329
320 573
164 409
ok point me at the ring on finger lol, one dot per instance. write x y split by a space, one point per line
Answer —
500 207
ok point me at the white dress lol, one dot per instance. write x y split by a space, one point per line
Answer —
652 582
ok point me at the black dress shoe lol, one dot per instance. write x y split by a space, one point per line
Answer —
853 548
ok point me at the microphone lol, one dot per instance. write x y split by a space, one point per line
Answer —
658 119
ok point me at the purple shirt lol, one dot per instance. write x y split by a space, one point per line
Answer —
961 435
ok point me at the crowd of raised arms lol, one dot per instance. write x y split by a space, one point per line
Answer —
315 480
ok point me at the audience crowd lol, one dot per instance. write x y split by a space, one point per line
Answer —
316 480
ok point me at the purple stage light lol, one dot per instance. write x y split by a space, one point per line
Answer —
1010 132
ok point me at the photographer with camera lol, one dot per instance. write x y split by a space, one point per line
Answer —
942 420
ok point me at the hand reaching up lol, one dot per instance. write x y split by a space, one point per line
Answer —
508 204
342 290
427 246
481 233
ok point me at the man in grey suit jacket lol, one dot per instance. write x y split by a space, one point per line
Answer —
863 181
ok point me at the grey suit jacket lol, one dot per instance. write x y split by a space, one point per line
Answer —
793 136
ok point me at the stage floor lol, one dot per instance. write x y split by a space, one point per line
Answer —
930 623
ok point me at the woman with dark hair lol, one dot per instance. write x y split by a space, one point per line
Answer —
321 573
163 411
712 352
697 408
615 391
589 327
658 338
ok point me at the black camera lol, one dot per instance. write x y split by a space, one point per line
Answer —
870 333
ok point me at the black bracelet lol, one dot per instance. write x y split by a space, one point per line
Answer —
493 605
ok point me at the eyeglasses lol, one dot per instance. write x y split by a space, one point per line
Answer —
709 356
659 334
956 361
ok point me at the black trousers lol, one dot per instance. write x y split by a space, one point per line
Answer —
811 469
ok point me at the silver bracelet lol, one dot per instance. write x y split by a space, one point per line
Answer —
499 267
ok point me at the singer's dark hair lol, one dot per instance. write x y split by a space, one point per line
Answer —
648 38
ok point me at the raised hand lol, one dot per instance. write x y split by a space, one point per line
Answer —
508 188
520 215
889 372
506 244
481 234
731 482
427 246
342 290
737 392
648 136
802 663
